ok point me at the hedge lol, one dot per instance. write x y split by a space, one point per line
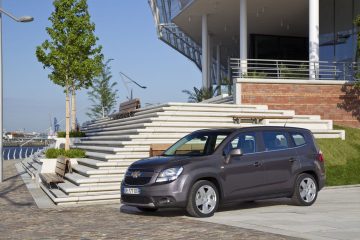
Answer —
73 134
72 153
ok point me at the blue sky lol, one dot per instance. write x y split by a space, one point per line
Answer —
127 34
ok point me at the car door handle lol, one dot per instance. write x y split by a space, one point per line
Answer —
292 160
257 164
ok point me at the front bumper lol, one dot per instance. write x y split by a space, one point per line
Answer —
155 195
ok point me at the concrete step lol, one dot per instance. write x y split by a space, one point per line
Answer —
186 112
69 187
60 198
309 124
82 180
118 150
118 157
329 134
103 164
90 172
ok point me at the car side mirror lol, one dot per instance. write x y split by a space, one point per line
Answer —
233 153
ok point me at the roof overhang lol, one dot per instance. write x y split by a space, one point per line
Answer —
276 17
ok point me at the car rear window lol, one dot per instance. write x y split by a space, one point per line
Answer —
275 140
298 138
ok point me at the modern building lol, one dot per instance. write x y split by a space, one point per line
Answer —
288 54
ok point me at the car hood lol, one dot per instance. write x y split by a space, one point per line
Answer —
160 163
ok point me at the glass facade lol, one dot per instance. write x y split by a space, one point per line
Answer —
178 5
338 33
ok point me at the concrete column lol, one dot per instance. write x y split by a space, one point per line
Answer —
205 58
218 65
243 37
237 92
210 54
313 38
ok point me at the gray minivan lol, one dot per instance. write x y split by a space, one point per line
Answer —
210 167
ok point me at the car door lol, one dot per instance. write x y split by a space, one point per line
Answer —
243 175
280 161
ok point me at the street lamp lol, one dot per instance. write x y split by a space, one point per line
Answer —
20 19
123 75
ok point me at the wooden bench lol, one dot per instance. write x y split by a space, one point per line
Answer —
127 109
256 119
63 165
158 149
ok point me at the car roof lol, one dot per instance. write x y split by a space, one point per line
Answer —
253 128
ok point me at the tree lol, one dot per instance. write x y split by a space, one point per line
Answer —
103 95
71 53
199 95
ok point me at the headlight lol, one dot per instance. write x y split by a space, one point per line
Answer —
169 174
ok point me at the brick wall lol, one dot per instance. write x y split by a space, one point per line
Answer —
340 103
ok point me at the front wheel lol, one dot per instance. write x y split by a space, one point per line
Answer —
203 199
305 190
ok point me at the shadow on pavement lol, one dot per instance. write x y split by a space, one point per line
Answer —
175 212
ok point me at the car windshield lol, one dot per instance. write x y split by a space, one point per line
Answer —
197 144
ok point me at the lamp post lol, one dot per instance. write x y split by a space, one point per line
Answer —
123 75
23 20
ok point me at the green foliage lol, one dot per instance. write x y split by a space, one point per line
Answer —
71 53
199 95
73 134
103 95
300 72
342 158
255 74
226 81
72 153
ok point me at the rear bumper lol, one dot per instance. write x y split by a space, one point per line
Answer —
322 181
165 195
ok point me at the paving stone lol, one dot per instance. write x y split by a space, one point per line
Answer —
22 219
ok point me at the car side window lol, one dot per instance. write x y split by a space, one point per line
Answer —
298 138
275 140
244 141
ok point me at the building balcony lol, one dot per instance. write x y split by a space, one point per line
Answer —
294 69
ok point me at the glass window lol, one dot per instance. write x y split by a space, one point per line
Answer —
196 144
244 141
275 141
299 139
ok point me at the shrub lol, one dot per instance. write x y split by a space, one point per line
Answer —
72 153
73 134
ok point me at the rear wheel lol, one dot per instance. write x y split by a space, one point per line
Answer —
203 199
305 190
145 209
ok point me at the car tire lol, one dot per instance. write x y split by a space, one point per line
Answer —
146 209
305 190
203 200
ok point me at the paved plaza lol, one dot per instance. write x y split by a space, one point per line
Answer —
336 215
22 219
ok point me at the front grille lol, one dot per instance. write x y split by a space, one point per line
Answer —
138 177
137 181
135 199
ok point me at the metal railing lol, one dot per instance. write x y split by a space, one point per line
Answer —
20 152
163 11
294 69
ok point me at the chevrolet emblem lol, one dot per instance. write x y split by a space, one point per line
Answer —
136 174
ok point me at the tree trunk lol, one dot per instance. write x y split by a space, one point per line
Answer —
67 119
73 110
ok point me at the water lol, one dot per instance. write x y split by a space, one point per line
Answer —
19 152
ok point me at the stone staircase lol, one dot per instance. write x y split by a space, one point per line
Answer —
112 145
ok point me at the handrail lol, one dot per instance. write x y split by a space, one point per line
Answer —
294 69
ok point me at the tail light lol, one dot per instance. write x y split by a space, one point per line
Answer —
320 156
